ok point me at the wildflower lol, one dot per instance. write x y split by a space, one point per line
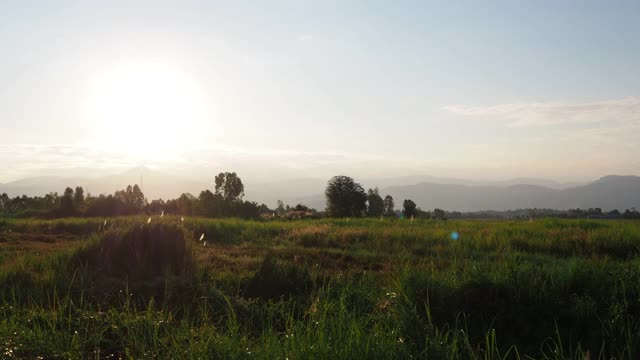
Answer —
149 220
162 214
182 219
105 223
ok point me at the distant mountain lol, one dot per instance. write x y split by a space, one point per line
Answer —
538 182
291 192
413 180
609 192
154 184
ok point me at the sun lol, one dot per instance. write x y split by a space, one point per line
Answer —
146 110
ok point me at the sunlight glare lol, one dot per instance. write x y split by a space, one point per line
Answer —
146 109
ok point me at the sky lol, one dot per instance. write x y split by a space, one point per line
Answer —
466 89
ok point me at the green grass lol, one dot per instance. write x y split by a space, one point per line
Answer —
319 289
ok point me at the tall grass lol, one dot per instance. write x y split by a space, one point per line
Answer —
554 289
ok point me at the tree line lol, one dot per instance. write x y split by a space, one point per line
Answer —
347 198
225 201
344 198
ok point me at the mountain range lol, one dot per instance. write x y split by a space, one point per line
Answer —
609 192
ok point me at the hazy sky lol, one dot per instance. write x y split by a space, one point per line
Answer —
487 89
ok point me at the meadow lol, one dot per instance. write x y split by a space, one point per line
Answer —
199 288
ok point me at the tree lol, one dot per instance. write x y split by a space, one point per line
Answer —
66 202
631 214
279 207
264 209
230 186
388 206
4 202
156 206
132 198
375 203
245 209
51 200
439 214
184 204
409 208
210 204
345 197
78 197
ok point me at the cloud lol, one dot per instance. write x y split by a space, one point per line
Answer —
31 160
305 37
21 160
625 110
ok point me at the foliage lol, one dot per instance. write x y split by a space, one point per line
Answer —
345 197
439 214
375 204
409 208
66 202
78 196
389 206
132 198
229 186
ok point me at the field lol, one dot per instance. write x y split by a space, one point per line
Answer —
318 289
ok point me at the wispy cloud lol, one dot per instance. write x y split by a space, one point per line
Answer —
305 37
21 160
626 110
29 160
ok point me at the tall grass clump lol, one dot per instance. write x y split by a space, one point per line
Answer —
148 252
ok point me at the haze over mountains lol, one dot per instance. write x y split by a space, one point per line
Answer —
609 192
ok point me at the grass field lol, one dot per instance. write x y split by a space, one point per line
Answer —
318 289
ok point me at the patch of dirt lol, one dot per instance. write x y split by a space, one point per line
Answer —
248 258
15 243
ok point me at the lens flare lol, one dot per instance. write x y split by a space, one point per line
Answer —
455 235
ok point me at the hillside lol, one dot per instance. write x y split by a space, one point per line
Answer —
610 192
